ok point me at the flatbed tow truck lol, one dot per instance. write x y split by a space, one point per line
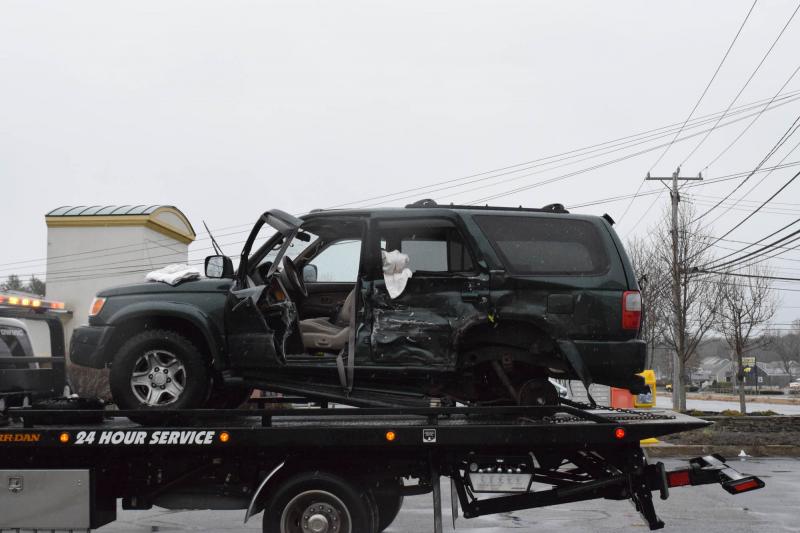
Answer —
315 469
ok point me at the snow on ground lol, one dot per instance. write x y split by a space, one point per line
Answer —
665 402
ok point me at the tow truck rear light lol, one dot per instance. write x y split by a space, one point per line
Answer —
679 478
631 310
745 484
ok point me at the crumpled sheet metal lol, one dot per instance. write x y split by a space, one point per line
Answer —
420 336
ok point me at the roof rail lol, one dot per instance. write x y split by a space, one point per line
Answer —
429 203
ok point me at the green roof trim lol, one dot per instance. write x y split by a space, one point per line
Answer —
104 210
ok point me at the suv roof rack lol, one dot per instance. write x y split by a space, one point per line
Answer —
429 203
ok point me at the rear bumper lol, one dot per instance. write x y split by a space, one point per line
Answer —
615 363
88 346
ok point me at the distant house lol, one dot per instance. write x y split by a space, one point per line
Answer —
714 369
767 375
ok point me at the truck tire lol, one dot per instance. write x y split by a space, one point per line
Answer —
159 369
389 500
319 501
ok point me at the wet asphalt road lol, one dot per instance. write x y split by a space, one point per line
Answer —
707 509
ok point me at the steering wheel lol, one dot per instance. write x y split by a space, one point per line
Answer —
294 276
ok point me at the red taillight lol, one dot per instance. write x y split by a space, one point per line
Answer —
678 478
743 485
631 310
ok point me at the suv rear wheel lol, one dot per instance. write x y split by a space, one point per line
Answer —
159 369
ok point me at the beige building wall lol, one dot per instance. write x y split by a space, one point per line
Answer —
83 259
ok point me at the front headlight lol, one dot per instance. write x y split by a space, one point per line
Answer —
97 306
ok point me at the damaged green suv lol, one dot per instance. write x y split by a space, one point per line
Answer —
380 307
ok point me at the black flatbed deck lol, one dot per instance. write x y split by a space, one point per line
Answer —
359 427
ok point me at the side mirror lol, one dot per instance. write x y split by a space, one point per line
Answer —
219 266
310 273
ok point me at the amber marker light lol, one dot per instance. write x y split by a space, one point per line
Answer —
224 437
64 437
390 436
619 433
97 306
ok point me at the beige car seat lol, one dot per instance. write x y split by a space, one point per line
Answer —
322 334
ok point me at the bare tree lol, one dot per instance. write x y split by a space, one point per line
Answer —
693 306
748 304
787 348
654 285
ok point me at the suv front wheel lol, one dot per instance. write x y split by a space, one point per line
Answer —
159 369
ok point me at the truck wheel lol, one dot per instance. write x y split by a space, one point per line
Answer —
318 502
159 369
389 500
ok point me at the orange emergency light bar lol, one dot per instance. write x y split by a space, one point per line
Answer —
33 303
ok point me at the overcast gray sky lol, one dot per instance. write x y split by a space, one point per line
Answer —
225 109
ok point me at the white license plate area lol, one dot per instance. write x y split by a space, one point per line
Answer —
499 482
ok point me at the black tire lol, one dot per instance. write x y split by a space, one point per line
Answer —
284 509
195 373
389 500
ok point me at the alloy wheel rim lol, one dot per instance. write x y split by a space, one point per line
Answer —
158 378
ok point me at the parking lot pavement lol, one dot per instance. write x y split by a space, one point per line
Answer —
707 509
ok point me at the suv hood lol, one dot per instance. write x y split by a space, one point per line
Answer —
155 287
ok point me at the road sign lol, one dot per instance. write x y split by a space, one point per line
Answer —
748 361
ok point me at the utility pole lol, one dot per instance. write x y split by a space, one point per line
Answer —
679 313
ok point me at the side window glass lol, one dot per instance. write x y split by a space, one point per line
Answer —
338 263
432 246
426 255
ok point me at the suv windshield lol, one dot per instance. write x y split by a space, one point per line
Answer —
546 245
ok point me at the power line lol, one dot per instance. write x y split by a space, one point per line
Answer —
717 264
755 186
630 140
708 86
749 79
581 171
785 137
752 276
741 134
765 202
628 145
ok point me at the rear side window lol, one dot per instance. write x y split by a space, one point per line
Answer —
546 245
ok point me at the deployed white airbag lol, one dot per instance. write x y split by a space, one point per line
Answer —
395 271
173 274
